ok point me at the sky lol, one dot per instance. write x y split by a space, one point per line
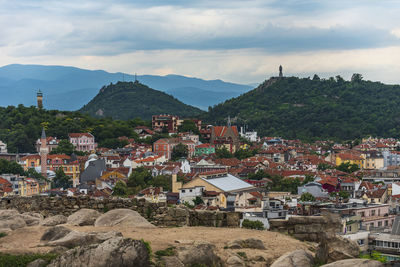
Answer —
242 41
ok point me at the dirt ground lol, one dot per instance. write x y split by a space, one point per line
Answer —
27 240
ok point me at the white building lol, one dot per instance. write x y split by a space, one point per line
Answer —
251 136
3 147
189 193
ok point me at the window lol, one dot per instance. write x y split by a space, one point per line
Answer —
386 223
190 190
362 214
183 191
361 242
372 212
379 224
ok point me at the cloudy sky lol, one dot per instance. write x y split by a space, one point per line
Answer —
241 41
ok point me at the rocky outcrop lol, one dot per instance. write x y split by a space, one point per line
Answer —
54 233
235 261
355 262
116 251
12 223
122 217
74 239
83 217
54 220
308 228
198 253
37 263
334 248
246 243
297 258
5 214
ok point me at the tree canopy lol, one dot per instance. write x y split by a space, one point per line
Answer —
311 109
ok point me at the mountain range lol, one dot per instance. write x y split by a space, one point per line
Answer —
70 88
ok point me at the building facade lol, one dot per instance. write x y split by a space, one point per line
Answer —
83 141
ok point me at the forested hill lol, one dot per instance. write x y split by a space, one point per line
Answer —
316 109
127 100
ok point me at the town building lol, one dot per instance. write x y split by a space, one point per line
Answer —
165 146
3 148
165 122
83 141
204 149
225 136
51 142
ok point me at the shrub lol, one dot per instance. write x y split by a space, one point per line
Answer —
166 252
242 254
23 260
148 248
3 235
258 225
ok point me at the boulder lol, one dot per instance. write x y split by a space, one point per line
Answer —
122 217
37 263
12 223
171 261
355 262
83 217
334 248
295 258
34 214
5 214
74 239
29 219
246 243
116 251
235 261
55 233
54 220
200 253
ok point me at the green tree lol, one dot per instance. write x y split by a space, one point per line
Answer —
11 167
64 147
356 78
307 197
347 167
120 189
223 153
198 201
188 126
61 180
179 151
139 179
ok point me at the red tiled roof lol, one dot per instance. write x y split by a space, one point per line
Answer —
77 135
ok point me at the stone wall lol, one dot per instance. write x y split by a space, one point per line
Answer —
158 213
308 228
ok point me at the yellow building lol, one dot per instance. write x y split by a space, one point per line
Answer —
30 161
349 158
372 161
28 187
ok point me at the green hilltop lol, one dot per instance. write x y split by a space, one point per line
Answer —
127 100
311 109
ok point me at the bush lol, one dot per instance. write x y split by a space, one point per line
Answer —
23 260
166 252
3 235
258 225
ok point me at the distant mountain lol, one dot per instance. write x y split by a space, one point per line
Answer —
19 84
315 109
128 100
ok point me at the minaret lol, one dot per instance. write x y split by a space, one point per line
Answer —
39 98
43 154
280 71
